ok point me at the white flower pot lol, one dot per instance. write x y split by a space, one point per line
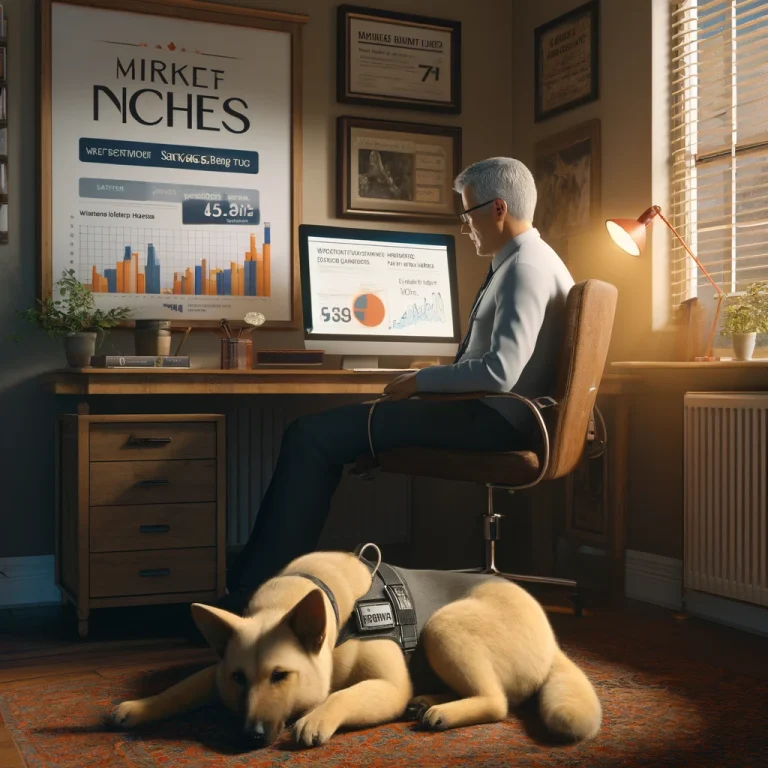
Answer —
744 345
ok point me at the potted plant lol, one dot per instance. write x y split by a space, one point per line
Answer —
744 317
74 318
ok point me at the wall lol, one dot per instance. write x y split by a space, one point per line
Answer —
633 113
26 410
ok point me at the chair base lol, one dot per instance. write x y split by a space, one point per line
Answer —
492 534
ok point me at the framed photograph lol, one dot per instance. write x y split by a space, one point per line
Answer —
390 59
396 170
166 185
566 61
567 173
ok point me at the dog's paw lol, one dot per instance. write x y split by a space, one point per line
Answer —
129 714
434 719
313 730
417 707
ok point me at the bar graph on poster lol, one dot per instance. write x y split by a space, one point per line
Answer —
161 262
171 181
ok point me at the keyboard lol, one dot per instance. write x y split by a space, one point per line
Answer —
383 370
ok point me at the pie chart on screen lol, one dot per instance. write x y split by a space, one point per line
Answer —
369 310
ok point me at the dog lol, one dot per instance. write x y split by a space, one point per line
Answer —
282 661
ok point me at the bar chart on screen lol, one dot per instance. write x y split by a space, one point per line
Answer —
166 261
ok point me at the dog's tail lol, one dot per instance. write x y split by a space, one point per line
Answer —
567 701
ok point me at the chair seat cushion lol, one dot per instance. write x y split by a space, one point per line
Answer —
513 468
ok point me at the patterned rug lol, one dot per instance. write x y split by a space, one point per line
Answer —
663 704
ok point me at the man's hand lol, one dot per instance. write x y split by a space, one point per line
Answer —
402 387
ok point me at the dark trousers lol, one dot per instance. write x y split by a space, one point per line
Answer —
315 449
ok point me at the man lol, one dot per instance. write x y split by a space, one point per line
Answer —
512 343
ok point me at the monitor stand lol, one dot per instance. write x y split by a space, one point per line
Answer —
351 362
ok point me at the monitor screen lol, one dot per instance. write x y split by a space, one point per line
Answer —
376 285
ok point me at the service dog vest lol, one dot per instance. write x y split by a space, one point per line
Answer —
400 601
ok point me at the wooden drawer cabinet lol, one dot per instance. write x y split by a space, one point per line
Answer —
141 512
152 482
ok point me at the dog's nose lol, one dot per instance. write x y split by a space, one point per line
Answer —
255 735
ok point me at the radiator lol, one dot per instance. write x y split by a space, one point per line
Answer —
725 521
379 510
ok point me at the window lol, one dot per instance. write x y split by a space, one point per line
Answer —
719 195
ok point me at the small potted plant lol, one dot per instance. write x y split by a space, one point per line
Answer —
74 318
744 317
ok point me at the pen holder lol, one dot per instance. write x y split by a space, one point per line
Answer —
236 354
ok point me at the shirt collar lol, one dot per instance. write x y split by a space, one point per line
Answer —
513 245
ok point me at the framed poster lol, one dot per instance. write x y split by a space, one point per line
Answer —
566 61
166 184
567 173
390 59
396 170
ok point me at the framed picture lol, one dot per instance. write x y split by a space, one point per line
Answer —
391 59
567 173
166 185
396 170
566 61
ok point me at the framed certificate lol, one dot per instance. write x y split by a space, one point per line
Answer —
400 60
566 61
396 170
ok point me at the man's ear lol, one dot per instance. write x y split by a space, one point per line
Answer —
308 621
216 625
500 207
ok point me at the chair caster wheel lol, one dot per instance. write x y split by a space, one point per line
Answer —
578 604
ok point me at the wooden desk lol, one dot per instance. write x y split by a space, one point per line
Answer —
202 381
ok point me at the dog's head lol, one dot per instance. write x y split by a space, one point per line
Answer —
274 667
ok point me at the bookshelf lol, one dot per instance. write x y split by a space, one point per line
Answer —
3 127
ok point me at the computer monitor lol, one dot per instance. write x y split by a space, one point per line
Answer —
370 292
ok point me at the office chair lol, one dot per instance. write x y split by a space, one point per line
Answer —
566 425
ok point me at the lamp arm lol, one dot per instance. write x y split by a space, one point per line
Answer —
692 255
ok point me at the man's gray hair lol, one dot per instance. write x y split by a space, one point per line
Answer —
501 177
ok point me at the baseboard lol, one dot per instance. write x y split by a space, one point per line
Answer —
659 580
732 613
654 579
28 581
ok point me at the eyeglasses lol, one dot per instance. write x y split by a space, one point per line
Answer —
463 215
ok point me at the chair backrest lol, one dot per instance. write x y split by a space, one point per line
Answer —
590 310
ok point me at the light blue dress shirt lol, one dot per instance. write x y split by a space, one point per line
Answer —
517 333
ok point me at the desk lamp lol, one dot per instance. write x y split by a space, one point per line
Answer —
629 235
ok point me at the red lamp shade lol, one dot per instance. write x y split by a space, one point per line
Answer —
629 234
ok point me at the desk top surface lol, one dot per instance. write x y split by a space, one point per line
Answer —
205 381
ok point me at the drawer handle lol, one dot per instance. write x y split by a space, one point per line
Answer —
154 572
133 440
154 528
147 483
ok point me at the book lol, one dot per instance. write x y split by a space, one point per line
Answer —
140 361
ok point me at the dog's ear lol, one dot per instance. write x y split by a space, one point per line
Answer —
216 625
308 620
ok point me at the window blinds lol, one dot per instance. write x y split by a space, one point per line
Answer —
719 107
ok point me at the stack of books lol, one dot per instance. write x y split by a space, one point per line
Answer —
140 361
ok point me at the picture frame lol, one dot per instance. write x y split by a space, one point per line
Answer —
401 60
395 170
145 112
567 171
566 61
